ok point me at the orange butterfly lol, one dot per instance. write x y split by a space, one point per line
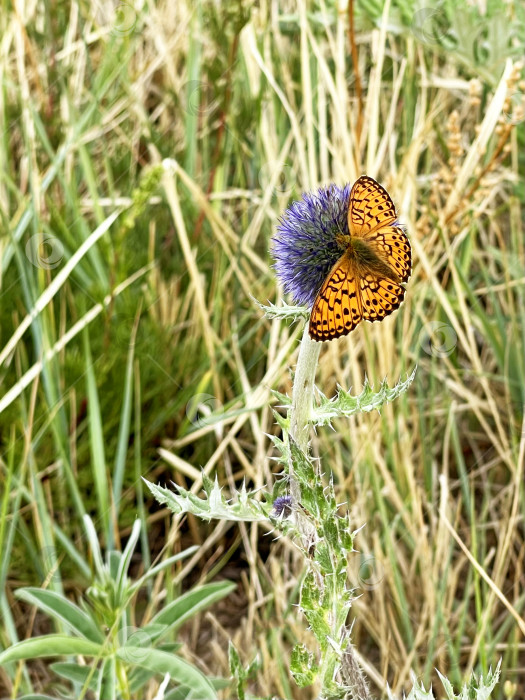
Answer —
365 283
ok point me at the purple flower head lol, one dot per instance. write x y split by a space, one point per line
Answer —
282 506
304 246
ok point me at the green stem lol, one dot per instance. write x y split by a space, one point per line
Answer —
301 409
300 421
303 390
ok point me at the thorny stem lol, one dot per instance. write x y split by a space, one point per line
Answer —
353 676
302 400
300 418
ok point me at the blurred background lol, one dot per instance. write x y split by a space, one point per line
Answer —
132 346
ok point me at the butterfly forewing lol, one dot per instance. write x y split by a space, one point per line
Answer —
337 308
370 207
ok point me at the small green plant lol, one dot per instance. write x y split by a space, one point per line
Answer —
119 657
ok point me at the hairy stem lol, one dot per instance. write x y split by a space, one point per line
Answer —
300 414
303 390
300 420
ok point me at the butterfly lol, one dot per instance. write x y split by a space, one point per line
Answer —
366 282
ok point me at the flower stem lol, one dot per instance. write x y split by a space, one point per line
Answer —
300 419
300 415
303 390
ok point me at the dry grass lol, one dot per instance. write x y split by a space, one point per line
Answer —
255 105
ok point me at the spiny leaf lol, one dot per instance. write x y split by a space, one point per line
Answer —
475 689
303 467
284 399
344 404
283 449
243 507
302 666
284 423
284 311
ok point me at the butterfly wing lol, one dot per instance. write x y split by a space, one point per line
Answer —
390 243
337 308
370 207
379 296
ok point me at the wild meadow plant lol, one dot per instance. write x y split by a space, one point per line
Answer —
330 251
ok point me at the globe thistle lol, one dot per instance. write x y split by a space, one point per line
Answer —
304 246
282 506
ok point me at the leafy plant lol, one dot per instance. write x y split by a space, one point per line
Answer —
122 657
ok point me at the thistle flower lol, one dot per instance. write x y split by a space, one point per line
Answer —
282 506
305 247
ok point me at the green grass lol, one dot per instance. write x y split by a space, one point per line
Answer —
255 105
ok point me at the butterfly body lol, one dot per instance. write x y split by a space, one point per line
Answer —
365 259
365 283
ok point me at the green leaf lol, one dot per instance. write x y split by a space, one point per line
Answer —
126 558
310 592
95 546
282 422
96 438
184 694
237 671
59 607
303 467
107 686
284 311
475 689
284 399
50 645
302 666
124 424
346 536
243 507
320 627
331 533
190 603
180 671
207 484
138 678
150 632
345 405
76 673
282 446
323 558
113 560
236 667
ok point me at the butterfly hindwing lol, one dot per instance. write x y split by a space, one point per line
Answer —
370 207
379 296
337 308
